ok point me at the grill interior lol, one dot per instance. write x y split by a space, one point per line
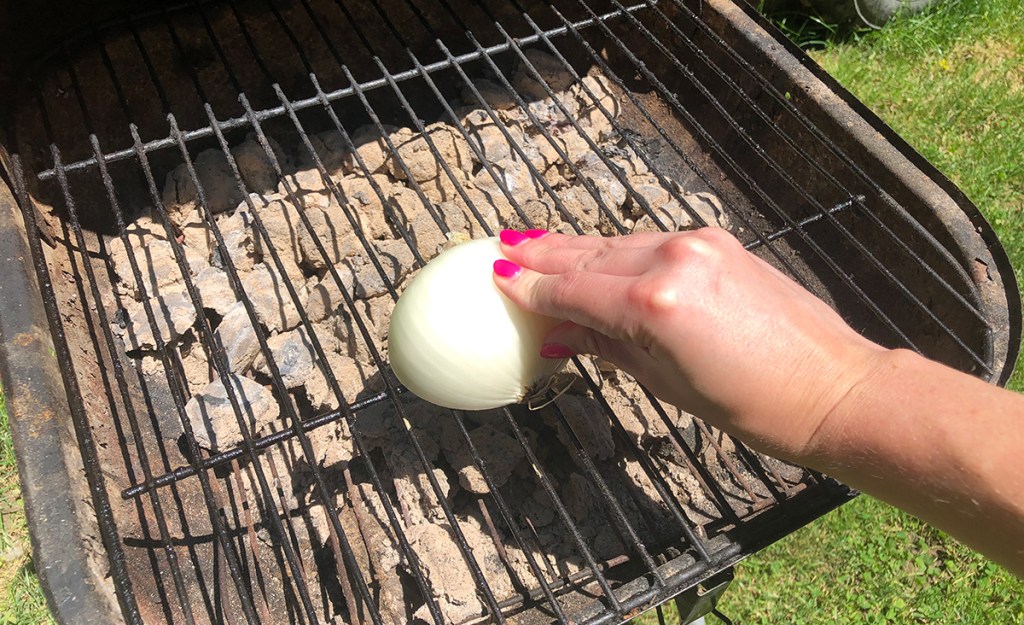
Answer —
615 502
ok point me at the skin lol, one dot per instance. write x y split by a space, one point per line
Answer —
715 330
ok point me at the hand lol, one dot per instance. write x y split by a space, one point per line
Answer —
698 320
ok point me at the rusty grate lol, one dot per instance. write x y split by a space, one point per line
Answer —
372 126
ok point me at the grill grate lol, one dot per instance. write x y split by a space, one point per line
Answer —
696 111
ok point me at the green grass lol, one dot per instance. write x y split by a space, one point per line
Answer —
951 82
21 600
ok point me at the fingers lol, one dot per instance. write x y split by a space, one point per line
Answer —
591 299
551 253
569 339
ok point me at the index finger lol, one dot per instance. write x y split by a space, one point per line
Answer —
589 299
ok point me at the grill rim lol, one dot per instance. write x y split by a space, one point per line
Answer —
10 360
859 111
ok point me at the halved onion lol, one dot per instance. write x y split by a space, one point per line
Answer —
456 341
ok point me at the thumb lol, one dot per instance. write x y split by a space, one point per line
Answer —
569 339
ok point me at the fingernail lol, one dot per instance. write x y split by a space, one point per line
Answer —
535 234
555 350
511 237
506 268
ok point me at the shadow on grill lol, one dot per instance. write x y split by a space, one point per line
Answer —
232 196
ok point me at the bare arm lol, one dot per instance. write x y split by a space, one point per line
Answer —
715 330
942 445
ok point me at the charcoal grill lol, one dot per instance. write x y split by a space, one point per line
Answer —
133 518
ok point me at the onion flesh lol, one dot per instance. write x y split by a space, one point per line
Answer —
456 341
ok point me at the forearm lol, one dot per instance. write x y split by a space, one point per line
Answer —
943 446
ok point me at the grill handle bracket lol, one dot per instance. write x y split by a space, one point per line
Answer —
702 599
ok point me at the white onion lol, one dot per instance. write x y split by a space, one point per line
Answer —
456 341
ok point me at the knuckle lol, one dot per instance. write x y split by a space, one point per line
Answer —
706 247
655 296
591 260
717 236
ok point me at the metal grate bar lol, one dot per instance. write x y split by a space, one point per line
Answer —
743 484
650 165
321 358
642 109
460 537
591 470
223 458
395 153
822 171
566 65
325 368
619 520
170 553
312 102
184 601
218 357
545 481
337 534
851 163
208 341
742 174
510 523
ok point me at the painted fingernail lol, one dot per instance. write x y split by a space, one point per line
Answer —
535 234
555 350
506 269
511 237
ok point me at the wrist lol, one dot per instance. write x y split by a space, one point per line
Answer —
867 379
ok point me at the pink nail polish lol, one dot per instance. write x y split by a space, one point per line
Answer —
555 350
511 237
535 234
506 269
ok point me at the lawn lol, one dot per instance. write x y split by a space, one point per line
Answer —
951 82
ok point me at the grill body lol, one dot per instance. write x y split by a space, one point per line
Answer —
156 529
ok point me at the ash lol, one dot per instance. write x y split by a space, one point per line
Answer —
292 241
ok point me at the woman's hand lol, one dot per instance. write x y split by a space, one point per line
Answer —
717 331
700 322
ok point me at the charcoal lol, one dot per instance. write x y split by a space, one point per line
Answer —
371 148
216 179
156 263
293 356
365 206
173 315
418 156
238 338
213 418
255 166
215 290
274 305
494 95
500 452
449 578
239 247
337 239
282 223
354 380
589 424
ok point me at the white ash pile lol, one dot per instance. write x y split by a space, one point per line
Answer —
312 224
